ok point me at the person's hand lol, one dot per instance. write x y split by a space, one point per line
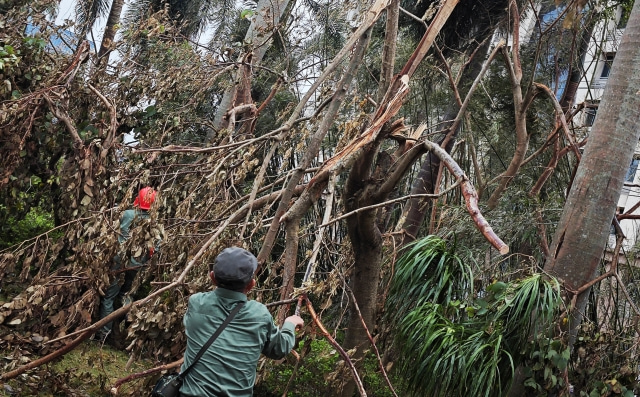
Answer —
295 320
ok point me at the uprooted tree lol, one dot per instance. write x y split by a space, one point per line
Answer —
323 144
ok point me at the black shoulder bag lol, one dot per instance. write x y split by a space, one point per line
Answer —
169 384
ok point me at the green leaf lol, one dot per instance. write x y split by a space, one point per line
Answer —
497 288
530 382
150 111
245 14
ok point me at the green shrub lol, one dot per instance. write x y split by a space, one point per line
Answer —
34 223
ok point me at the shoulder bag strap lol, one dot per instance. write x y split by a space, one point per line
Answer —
204 348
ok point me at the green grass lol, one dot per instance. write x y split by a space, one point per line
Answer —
320 374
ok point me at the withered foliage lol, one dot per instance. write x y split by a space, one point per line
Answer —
305 154
63 120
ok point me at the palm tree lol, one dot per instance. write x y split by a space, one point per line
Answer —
88 12
192 17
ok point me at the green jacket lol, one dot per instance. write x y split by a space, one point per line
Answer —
228 367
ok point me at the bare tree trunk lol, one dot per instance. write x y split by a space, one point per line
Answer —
366 241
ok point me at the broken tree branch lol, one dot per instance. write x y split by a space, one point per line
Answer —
143 374
339 348
470 197
373 343
387 109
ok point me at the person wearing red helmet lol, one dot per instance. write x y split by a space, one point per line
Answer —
145 198
117 290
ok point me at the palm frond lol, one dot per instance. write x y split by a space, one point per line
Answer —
87 12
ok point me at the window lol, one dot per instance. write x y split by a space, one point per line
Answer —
590 115
632 170
606 67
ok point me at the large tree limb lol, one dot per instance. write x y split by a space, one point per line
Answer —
314 143
386 110
415 210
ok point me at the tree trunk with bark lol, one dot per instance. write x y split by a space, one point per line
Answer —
583 230
107 44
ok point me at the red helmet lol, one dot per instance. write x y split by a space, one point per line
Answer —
145 198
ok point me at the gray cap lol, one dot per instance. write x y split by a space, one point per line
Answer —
235 267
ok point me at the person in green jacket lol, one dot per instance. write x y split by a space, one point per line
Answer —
228 367
117 290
